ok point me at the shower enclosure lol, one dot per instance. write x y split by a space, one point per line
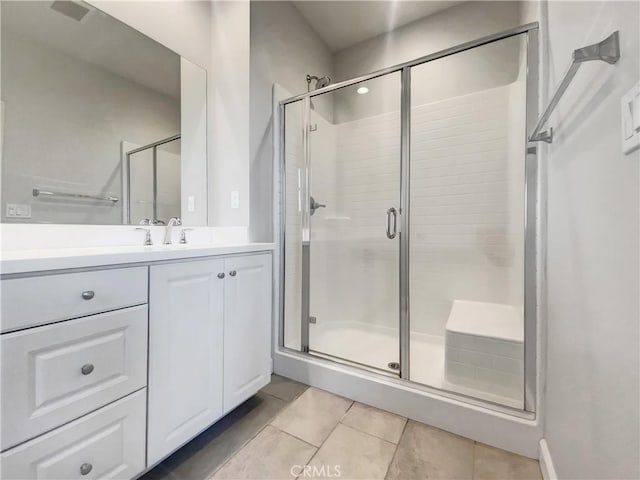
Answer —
408 221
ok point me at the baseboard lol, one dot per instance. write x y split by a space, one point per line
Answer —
546 464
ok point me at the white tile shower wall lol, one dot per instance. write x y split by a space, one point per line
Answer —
464 246
461 244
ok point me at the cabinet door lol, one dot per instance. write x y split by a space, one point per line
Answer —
247 327
185 352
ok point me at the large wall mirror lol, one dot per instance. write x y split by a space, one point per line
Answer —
100 123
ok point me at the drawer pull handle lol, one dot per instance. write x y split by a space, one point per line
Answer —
85 468
88 295
221 275
233 273
87 369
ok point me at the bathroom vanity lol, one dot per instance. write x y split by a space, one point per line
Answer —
113 358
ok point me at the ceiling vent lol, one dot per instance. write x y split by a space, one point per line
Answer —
70 9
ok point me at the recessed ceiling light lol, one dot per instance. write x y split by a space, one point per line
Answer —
362 90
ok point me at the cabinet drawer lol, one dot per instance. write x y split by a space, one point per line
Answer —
108 443
56 373
31 301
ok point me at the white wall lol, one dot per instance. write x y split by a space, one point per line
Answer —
447 77
229 126
65 121
592 388
284 49
453 26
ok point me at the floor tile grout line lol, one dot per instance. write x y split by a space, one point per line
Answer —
353 402
237 451
373 434
267 423
365 433
473 460
330 433
287 401
295 436
395 452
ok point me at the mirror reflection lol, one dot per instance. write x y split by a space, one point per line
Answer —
93 117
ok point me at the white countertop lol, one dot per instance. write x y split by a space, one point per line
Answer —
27 261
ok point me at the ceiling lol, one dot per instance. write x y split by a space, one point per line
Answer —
342 24
100 40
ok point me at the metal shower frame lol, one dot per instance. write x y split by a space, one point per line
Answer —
530 157
126 180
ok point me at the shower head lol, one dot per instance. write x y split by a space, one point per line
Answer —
321 82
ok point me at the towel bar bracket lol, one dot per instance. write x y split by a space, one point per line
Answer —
608 50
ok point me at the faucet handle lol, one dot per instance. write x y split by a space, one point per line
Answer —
147 238
183 234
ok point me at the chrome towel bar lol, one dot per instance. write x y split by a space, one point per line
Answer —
37 193
608 50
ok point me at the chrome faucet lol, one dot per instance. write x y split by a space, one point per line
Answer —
173 221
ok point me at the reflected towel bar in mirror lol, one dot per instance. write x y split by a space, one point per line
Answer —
608 50
37 193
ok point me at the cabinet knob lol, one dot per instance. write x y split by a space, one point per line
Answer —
221 275
87 368
88 295
85 468
233 273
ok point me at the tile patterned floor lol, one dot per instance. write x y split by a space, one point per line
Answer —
290 431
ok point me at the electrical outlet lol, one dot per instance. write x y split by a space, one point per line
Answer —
235 199
191 204
15 210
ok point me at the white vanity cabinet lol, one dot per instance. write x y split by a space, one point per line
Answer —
209 344
106 371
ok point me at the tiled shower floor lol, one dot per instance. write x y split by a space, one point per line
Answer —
289 431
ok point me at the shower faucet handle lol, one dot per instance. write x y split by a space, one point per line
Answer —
313 205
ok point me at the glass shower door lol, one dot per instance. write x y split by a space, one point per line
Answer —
466 214
352 256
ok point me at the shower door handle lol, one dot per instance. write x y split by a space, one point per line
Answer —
392 213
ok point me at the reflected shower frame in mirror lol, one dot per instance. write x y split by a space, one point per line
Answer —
39 143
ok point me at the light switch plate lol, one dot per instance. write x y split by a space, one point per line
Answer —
630 110
191 204
235 199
